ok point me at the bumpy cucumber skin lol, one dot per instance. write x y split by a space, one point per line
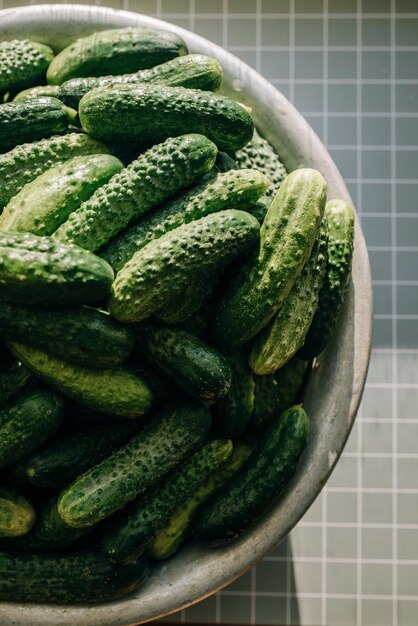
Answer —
155 112
45 203
279 341
39 270
163 268
168 539
237 189
27 423
194 71
116 51
17 515
340 218
60 462
234 410
156 175
15 381
196 367
29 120
252 491
80 577
51 91
127 473
114 391
23 63
266 278
127 537
28 161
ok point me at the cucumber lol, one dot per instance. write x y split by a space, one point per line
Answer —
155 176
225 163
169 538
17 515
340 218
237 189
39 91
252 492
80 577
162 269
23 63
131 532
15 381
194 71
138 465
234 410
155 112
198 369
28 161
182 306
38 270
46 202
58 463
27 423
279 341
115 51
114 391
263 282
29 120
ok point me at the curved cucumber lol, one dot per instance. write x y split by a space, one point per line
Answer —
17 515
51 91
23 63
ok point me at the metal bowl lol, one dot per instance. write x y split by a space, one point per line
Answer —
336 383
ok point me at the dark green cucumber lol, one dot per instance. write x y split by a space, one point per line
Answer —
15 381
237 189
164 267
131 532
252 492
39 270
81 577
23 63
58 463
263 282
194 71
127 473
279 341
46 202
114 391
198 369
169 538
27 423
341 219
51 91
33 119
28 161
183 305
155 112
17 515
225 163
155 176
234 410
116 51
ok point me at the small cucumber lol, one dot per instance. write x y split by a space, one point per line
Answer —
17 515
51 91
15 381
127 473
23 63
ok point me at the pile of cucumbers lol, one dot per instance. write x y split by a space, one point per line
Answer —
164 288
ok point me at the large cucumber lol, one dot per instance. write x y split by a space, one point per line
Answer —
17 515
23 63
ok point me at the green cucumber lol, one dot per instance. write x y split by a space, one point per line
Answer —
194 71
114 391
33 119
116 51
15 381
23 63
225 163
197 368
155 176
127 473
255 488
17 515
262 284
46 202
27 423
81 577
279 341
185 304
52 91
39 270
237 189
341 219
164 267
168 539
131 532
155 112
